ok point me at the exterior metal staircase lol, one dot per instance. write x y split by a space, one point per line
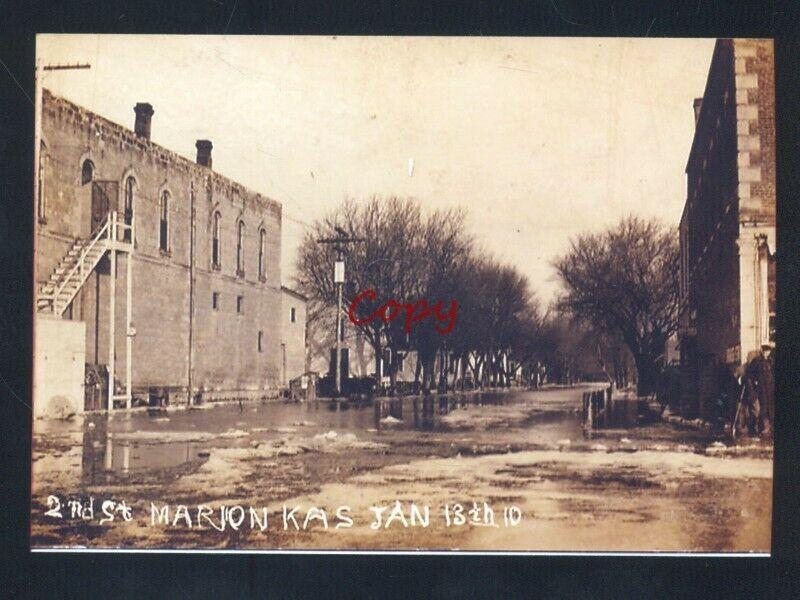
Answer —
66 280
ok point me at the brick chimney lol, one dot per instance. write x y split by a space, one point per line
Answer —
203 152
144 115
698 103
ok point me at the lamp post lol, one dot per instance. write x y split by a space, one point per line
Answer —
339 243
338 279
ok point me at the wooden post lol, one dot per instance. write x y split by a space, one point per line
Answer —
112 234
128 316
590 413
108 458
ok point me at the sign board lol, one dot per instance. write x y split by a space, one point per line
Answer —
338 272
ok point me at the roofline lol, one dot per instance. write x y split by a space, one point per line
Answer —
200 169
292 292
715 58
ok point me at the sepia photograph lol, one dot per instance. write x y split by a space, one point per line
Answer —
404 294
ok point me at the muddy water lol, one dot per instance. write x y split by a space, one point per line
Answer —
628 488
126 442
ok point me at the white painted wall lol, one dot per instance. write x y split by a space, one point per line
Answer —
59 365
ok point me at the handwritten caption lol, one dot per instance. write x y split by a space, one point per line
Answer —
297 518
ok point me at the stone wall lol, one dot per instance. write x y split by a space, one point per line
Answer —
58 367
728 226
293 334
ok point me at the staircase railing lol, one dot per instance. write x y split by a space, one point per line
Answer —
107 231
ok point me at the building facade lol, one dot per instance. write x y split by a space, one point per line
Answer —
187 260
727 230
293 338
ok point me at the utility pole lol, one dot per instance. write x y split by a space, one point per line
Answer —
339 244
37 126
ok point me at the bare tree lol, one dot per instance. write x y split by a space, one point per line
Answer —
411 257
444 258
625 280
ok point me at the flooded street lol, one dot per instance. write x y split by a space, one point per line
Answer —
652 487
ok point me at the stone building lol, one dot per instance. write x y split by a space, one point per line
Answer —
187 260
727 231
293 339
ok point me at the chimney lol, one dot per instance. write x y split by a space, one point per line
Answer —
203 152
144 114
698 103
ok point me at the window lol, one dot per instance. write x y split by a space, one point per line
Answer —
240 304
293 314
215 300
87 172
216 260
240 249
400 361
262 255
163 230
130 185
40 205
260 341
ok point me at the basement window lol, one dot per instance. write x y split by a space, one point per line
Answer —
215 300
240 304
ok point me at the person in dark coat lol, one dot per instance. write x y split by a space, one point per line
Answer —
759 397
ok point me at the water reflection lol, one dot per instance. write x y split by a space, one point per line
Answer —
128 443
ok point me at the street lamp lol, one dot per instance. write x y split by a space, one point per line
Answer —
339 243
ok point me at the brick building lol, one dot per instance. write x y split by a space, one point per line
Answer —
727 231
188 260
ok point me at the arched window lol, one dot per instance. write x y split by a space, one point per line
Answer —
262 255
87 172
40 203
163 230
240 249
130 187
216 258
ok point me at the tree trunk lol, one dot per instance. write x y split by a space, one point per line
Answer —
646 374
393 375
362 359
417 372
442 385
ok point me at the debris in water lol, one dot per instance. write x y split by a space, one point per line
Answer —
233 433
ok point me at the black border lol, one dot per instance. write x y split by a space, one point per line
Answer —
116 575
